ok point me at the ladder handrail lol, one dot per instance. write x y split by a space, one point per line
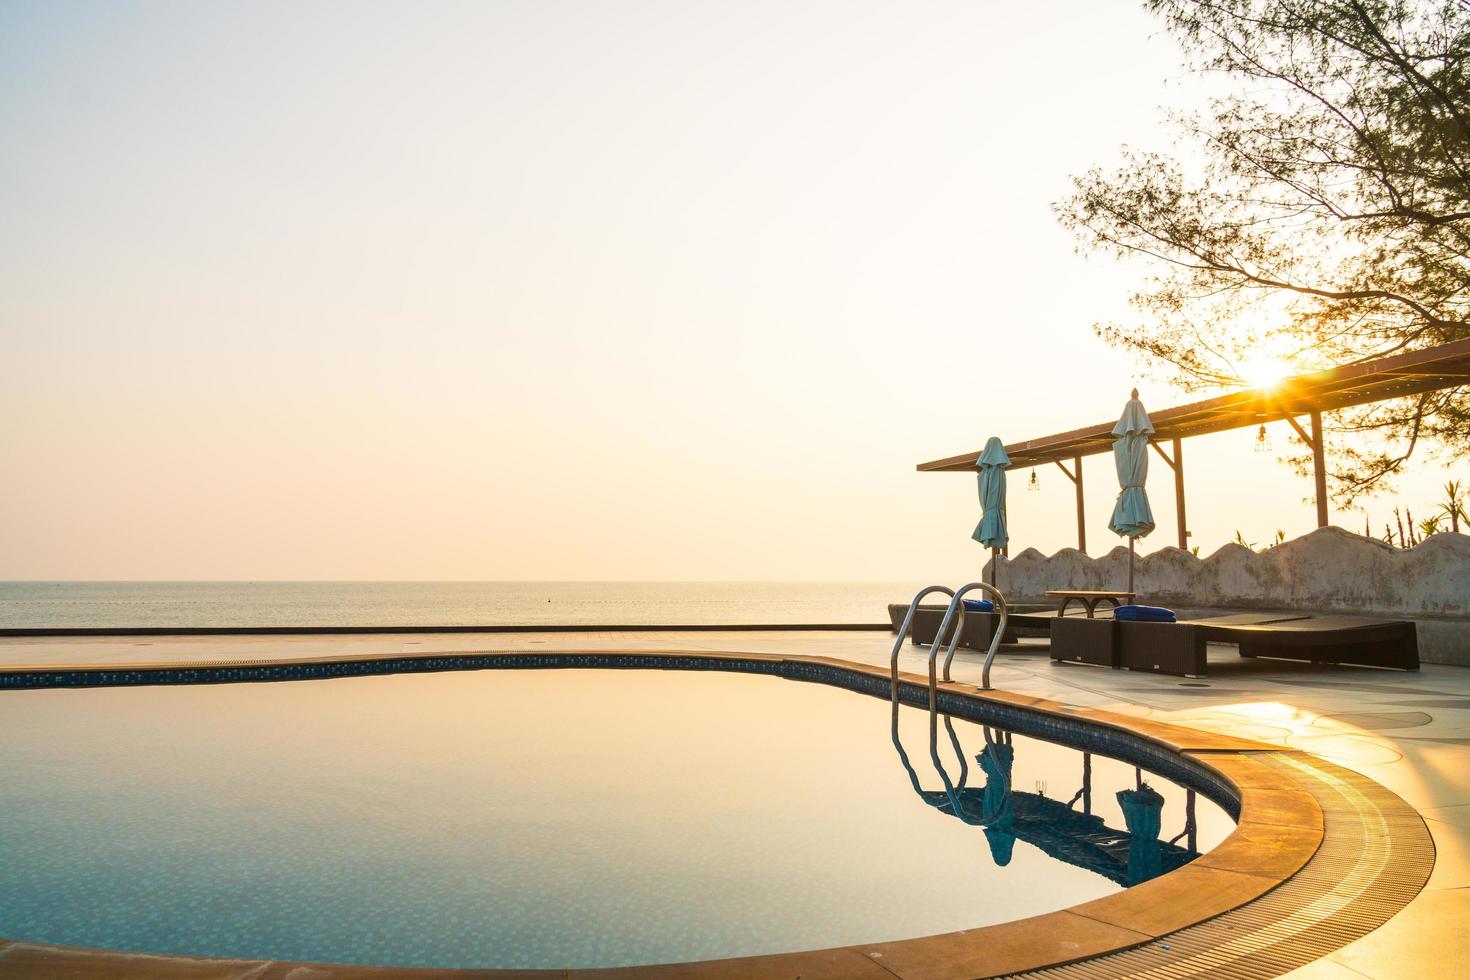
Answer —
1000 632
956 603
903 632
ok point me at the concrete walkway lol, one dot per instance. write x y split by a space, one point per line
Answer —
1408 731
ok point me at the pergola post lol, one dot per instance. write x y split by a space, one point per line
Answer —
1177 465
1319 468
1179 493
1076 478
1319 461
1081 516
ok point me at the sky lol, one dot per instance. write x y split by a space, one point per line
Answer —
569 290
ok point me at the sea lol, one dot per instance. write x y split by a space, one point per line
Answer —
220 604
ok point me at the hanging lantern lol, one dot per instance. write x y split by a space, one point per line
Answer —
1033 483
1263 440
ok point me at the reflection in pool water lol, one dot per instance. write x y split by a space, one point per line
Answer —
522 818
1061 830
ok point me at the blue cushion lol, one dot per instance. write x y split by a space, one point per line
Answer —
978 605
1144 614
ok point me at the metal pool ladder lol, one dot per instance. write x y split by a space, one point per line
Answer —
956 602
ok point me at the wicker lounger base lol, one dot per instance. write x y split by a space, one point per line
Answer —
1079 640
1327 640
1162 648
1180 648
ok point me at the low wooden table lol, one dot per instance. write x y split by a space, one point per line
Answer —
1089 600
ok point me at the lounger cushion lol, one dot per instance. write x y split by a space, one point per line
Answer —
978 605
1144 614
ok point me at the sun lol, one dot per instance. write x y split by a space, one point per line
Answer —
1264 372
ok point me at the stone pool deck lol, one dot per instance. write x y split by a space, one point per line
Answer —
1409 732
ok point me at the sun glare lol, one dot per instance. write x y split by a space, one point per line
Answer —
1264 373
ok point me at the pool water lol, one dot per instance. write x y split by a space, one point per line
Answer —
522 818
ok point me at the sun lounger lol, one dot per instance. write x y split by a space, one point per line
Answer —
1323 640
1179 648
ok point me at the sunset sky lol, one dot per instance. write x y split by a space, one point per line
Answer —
568 290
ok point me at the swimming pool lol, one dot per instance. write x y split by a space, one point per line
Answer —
567 818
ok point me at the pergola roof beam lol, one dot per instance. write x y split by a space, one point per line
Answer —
1416 372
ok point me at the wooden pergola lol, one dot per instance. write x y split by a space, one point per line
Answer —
1309 395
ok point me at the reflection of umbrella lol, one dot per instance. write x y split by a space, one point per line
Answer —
1131 514
997 760
1142 810
991 531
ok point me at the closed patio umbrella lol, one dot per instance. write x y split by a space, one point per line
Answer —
997 759
1131 514
991 531
1142 811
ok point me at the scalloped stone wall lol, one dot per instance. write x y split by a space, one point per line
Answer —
1328 569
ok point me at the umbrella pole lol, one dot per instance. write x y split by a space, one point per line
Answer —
1130 564
994 566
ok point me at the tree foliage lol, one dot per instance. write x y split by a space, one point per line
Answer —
1325 217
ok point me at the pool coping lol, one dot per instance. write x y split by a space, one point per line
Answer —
1280 829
